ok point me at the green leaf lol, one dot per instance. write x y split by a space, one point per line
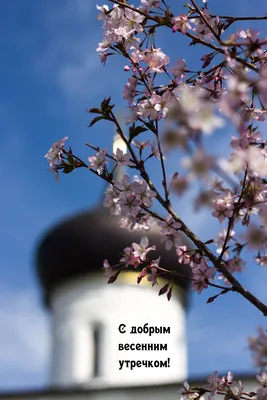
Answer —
94 110
70 158
150 126
135 131
169 294
105 103
68 168
96 119
164 289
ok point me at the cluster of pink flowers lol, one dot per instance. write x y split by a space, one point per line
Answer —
215 384
170 232
134 256
127 197
226 386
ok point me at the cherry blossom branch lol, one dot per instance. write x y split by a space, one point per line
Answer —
98 149
235 19
191 100
218 263
226 386
175 273
162 21
156 62
236 286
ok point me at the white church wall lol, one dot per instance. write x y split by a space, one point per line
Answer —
81 305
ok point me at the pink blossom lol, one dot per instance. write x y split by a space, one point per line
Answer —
119 24
237 389
201 29
129 258
137 55
171 239
102 48
187 393
107 269
162 103
130 89
130 22
262 378
153 268
262 393
155 150
213 382
156 60
123 159
169 226
249 34
144 194
142 249
252 157
150 4
140 222
111 200
220 239
198 111
202 272
129 203
256 236
183 256
262 260
234 98
235 264
179 184
199 164
246 137
125 185
145 109
201 275
99 161
103 12
179 69
224 206
141 145
228 380
54 154
181 24
258 347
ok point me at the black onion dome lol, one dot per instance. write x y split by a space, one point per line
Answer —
79 245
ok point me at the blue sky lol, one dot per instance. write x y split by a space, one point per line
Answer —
50 74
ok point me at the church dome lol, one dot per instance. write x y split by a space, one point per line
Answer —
79 245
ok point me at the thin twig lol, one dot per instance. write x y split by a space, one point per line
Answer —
232 218
162 164
206 22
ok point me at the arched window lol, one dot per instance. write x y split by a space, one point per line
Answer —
97 342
